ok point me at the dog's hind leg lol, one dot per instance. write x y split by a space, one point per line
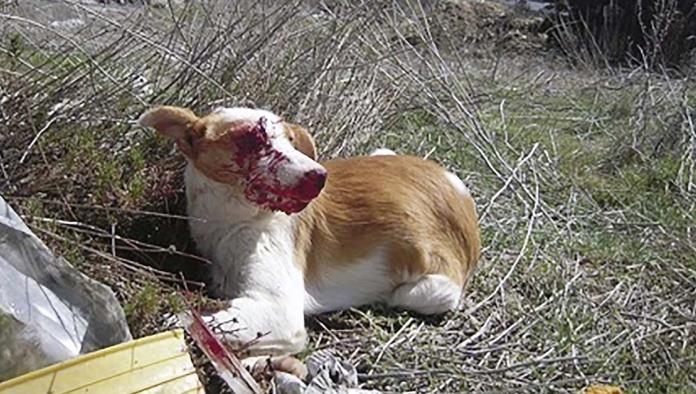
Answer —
430 294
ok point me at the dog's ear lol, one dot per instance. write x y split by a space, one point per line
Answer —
301 140
174 122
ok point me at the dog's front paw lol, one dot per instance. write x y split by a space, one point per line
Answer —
228 327
291 365
266 368
254 327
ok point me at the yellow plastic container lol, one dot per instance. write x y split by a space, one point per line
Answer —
156 364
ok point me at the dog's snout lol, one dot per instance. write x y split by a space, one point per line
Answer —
317 178
310 185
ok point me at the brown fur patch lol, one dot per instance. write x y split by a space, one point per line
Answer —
205 141
403 204
173 122
301 139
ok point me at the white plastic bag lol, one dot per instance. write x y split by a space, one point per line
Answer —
49 312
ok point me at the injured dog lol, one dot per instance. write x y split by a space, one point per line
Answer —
290 237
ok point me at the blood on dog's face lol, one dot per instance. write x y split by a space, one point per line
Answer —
271 161
275 175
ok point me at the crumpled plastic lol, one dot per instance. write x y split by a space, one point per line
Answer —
49 311
327 374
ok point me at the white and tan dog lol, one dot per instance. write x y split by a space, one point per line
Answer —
290 237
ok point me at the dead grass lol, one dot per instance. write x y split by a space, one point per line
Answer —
584 179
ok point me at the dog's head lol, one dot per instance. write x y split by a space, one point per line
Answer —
271 160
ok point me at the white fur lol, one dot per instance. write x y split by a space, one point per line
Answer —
298 165
251 115
249 248
431 294
383 152
362 283
457 183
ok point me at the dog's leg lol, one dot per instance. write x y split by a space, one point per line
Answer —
265 289
262 365
262 327
430 294
265 332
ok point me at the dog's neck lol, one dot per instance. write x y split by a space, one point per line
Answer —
217 202
248 246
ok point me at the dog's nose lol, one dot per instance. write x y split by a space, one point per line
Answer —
310 186
317 178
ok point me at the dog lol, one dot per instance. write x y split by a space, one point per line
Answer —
289 236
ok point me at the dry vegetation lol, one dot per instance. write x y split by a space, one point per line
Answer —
657 33
584 178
